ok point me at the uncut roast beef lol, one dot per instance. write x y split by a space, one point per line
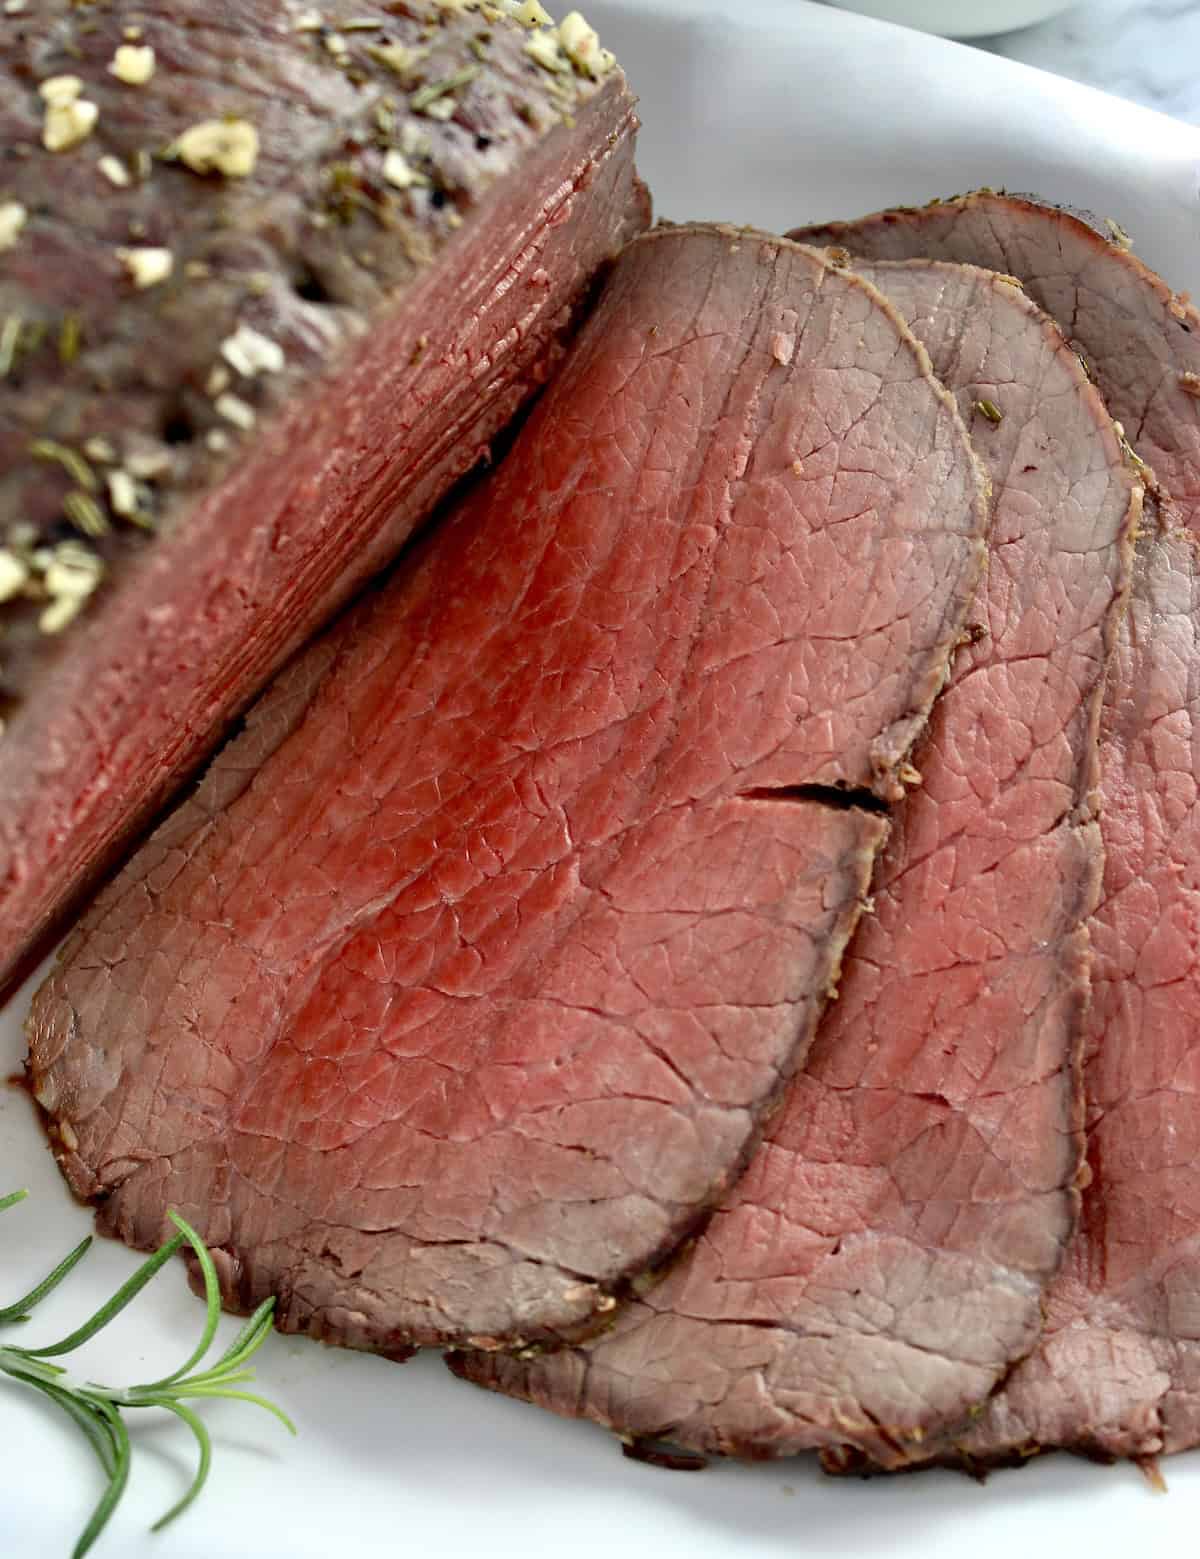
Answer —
881 1264
266 289
454 999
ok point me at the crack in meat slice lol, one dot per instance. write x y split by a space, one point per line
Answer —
456 997
881 1263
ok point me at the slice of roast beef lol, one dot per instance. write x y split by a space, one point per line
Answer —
1118 1369
1140 340
881 1263
454 1000
253 323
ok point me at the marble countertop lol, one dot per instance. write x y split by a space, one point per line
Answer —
1145 50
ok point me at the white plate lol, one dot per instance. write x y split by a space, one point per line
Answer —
959 18
790 113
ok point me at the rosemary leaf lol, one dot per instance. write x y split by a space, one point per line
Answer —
125 1295
240 1396
249 1339
96 1410
203 1440
90 1420
20 1310
990 410
433 90
212 1295
35 1371
118 1480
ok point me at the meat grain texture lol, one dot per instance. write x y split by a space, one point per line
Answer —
253 323
1118 1369
1116 1372
1140 339
455 998
882 1262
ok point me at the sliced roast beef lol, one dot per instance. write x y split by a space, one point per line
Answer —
453 1000
1118 1370
881 1263
266 289
1141 341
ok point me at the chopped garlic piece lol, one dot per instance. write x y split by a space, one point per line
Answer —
70 118
218 380
14 573
398 170
228 146
13 217
133 65
581 44
147 267
544 48
115 171
14 7
531 14
308 21
414 142
579 41
62 610
122 493
236 410
397 57
60 89
249 352
217 441
147 463
72 574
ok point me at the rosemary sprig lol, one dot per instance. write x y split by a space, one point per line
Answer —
97 1410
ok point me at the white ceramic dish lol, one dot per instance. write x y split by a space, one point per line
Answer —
789 112
959 18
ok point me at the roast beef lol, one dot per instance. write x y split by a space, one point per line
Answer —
454 1000
1118 1370
1140 340
276 288
882 1262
